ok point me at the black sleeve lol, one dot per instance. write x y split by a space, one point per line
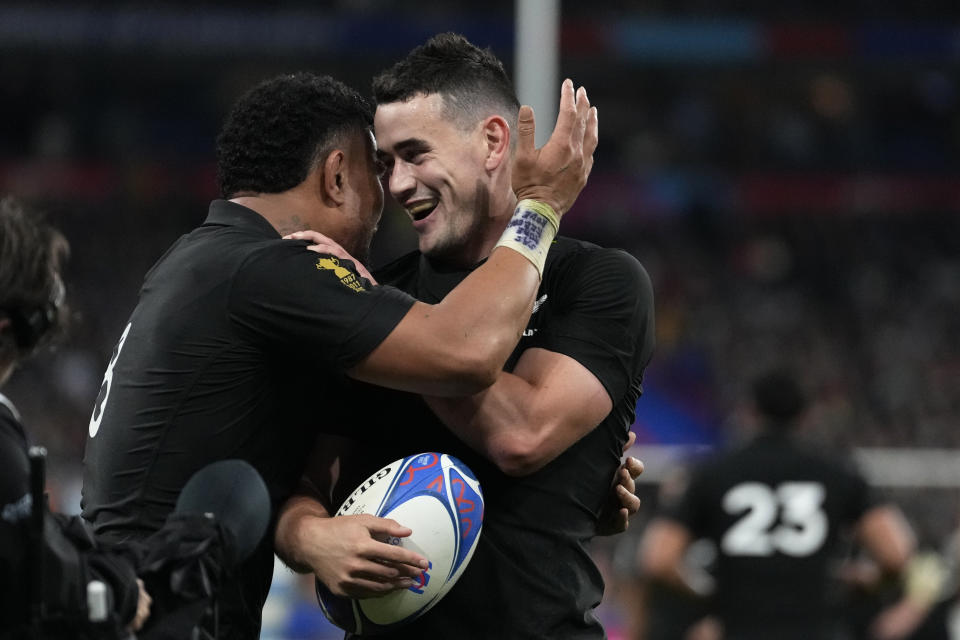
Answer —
604 318
315 306
15 509
14 464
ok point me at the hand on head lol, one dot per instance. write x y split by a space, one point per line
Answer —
556 173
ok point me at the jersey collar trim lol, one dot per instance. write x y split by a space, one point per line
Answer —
224 212
5 401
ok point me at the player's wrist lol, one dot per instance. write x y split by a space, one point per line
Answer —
545 196
531 230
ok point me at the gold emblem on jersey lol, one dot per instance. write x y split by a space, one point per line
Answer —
347 277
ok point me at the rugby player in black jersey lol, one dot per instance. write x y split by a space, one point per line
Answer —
240 337
775 508
546 438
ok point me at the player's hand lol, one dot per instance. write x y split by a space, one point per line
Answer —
556 172
143 608
325 245
347 553
615 517
898 621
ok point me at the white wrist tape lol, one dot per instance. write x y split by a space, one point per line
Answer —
530 231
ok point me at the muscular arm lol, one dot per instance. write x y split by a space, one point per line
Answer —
529 417
459 345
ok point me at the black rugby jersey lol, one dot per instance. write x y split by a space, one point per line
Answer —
531 575
232 351
775 510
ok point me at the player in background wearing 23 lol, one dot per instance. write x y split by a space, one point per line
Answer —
775 510
235 325
545 439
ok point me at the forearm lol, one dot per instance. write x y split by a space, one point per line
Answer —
886 535
293 528
512 425
530 416
498 424
482 319
457 347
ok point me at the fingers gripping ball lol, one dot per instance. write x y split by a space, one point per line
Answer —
440 500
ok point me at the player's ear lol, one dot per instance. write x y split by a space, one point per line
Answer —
496 136
332 177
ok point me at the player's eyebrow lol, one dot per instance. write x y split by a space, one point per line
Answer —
411 144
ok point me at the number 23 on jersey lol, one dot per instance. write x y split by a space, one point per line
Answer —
788 519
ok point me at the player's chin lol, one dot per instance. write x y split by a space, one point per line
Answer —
427 244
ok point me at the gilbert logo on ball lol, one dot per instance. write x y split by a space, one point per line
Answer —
439 499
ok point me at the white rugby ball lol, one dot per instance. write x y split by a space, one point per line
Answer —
440 500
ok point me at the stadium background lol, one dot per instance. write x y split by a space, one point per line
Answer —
786 171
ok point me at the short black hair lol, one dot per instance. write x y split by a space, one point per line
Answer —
32 252
279 129
471 80
778 397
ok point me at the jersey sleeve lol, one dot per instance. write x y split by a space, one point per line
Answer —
603 318
14 467
314 306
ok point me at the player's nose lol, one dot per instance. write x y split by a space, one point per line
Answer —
402 182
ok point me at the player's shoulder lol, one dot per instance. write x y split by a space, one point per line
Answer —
273 256
571 259
566 252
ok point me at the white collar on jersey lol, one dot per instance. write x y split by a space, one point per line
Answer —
5 401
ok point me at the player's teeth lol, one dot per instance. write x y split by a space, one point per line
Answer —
421 206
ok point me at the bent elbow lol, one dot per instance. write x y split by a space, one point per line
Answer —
517 457
471 374
518 468
482 373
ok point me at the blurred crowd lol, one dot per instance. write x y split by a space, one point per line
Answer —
797 209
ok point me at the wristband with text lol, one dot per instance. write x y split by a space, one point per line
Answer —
531 230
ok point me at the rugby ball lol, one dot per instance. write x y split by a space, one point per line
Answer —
439 499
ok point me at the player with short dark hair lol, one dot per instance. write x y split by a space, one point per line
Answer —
471 80
546 438
32 312
776 509
257 153
240 336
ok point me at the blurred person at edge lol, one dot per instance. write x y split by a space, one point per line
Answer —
919 607
32 313
545 440
775 508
